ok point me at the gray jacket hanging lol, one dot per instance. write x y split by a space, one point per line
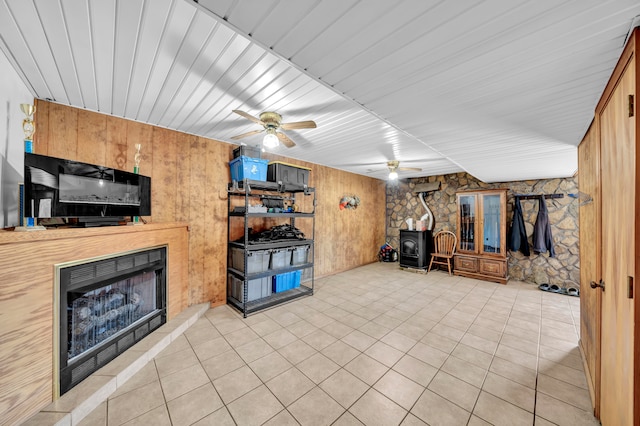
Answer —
542 238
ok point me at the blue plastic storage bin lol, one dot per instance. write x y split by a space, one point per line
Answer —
248 168
286 281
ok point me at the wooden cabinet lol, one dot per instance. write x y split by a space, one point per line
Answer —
482 234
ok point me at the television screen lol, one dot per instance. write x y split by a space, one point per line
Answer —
55 187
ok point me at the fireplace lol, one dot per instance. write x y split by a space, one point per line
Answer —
415 248
105 306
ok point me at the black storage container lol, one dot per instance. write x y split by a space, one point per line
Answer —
247 151
278 171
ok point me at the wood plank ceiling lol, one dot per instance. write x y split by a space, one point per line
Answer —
502 89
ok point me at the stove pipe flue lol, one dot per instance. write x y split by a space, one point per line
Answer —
422 189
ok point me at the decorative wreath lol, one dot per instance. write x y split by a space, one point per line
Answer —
349 202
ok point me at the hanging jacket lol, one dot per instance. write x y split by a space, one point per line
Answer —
518 233
542 238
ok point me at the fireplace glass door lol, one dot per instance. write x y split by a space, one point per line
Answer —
96 315
106 306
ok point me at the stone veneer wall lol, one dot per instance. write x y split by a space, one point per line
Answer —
562 270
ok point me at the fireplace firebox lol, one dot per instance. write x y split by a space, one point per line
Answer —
106 306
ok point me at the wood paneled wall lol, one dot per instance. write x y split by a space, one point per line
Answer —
189 177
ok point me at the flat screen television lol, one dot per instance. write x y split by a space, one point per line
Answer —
59 188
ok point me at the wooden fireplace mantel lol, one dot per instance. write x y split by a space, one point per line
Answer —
27 265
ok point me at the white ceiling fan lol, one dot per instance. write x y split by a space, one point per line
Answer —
394 166
272 124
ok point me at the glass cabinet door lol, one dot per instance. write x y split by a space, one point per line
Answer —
467 223
491 212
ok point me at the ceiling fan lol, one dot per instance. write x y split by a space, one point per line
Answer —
272 122
394 166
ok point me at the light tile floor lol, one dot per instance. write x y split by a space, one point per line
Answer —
375 346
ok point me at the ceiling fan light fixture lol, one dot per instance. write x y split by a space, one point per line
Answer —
393 175
270 139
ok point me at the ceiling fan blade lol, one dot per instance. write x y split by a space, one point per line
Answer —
299 125
416 169
248 116
285 140
244 135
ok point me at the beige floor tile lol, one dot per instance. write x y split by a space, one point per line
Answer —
448 331
280 338
337 329
196 335
175 362
251 351
318 367
477 421
560 372
416 370
376 409
211 348
267 326
319 319
561 357
146 375
565 392
412 420
340 353
499 412
344 387
473 356
130 405
289 386
510 391
347 419
384 353
157 417
283 418
318 339
517 357
316 408
237 383
269 366
520 344
374 330
222 364
561 413
354 321
485 333
439 342
366 369
178 344
240 337
517 373
399 389
220 417
464 370
98 417
255 408
229 325
183 381
302 328
435 410
297 351
455 390
428 354
359 340
479 343
398 340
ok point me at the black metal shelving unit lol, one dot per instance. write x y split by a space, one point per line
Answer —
252 189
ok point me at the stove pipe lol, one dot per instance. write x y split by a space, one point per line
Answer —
422 189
